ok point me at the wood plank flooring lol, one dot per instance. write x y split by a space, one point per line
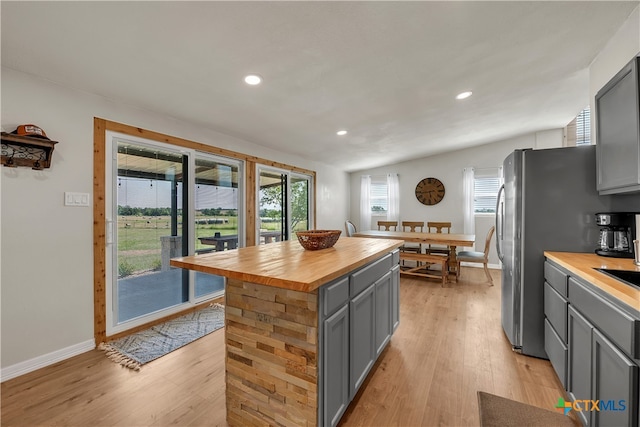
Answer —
449 345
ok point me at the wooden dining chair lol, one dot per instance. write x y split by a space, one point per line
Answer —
388 225
350 228
412 227
438 227
478 257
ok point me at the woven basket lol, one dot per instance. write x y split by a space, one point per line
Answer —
318 239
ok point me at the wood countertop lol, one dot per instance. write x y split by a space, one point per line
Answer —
287 264
583 265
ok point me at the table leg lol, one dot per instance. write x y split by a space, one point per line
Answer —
453 262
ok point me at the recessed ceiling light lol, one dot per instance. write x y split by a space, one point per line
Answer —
253 79
464 95
341 132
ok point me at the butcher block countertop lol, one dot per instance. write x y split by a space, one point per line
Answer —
583 264
287 264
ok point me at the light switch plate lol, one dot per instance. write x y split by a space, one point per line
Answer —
76 199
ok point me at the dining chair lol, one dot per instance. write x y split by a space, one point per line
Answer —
477 257
438 227
412 227
388 225
350 228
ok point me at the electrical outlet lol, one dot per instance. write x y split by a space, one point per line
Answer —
76 199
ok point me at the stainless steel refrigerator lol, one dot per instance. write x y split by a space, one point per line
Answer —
547 203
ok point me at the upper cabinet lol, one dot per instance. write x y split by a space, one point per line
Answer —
618 132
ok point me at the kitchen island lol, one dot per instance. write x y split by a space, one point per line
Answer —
302 328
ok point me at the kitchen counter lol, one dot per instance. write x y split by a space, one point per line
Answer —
583 265
284 329
287 264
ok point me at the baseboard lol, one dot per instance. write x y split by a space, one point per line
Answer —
477 265
45 360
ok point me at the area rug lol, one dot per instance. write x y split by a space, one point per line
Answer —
139 348
496 411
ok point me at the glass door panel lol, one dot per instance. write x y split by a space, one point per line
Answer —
272 198
216 215
149 231
300 218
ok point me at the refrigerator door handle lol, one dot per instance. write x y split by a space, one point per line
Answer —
499 223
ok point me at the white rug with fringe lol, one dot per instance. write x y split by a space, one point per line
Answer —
142 347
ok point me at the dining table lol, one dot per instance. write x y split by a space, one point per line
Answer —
230 241
451 240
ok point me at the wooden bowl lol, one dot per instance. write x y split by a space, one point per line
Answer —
318 239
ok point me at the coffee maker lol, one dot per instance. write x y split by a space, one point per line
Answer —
617 232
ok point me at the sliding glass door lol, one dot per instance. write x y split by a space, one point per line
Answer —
217 214
148 230
165 202
284 204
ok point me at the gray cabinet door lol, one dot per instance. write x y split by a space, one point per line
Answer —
395 297
336 366
362 313
614 384
618 147
384 292
579 366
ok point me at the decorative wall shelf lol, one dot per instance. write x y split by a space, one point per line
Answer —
26 151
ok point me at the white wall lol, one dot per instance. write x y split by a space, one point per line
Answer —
448 169
47 248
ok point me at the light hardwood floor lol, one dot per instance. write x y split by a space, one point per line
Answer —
448 346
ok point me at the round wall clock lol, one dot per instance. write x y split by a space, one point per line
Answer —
430 191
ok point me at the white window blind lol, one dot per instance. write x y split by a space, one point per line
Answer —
487 182
378 196
583 127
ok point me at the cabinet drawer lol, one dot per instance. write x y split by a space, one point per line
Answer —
369 274
335 295
555 308
619 327
556 278
557 351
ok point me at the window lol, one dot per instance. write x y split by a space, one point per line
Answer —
579 130
379 195
583 127
486 184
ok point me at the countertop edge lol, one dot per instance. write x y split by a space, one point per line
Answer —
583 267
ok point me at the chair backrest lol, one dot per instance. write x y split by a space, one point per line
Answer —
439 226
487 243
350 228
388 225
413 226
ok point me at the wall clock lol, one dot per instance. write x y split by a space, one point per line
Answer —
430 191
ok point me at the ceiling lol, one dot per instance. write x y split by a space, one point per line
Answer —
387 72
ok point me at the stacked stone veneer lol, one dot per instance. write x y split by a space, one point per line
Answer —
271 355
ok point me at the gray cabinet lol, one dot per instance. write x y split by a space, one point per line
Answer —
362 348
602 349
614 384
618 132
384 299
579 367
395 297
358 315
555 322
336 365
